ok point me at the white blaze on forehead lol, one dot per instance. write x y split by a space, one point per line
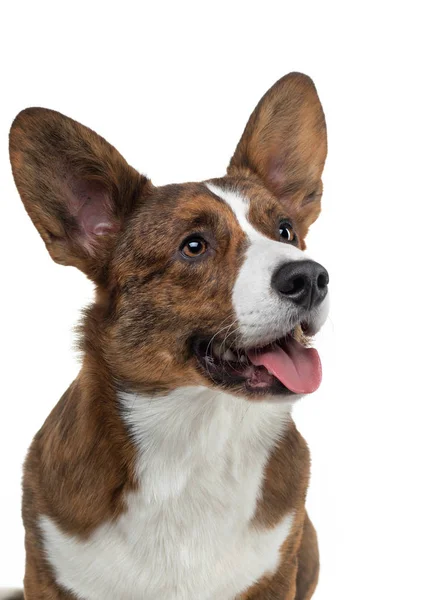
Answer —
263 316
239 206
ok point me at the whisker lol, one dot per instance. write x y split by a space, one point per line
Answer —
209 357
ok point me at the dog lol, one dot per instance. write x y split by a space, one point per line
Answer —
171 468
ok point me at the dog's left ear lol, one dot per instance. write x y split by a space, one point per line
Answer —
285 143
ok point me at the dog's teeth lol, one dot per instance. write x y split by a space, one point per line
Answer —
229 355
269 372
243 359
217 350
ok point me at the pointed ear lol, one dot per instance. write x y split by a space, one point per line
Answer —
285 144
77 189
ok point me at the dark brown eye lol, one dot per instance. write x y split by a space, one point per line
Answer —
287 233
194 247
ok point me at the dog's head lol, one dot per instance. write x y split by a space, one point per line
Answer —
196 284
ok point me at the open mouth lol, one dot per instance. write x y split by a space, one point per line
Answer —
286 366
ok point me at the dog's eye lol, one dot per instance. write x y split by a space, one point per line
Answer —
194 247
287 233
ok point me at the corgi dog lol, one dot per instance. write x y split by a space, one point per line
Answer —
171 469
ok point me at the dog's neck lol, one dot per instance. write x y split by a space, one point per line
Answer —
193 428
197 503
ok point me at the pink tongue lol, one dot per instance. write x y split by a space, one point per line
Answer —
297 367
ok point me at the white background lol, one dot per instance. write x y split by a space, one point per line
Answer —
171 85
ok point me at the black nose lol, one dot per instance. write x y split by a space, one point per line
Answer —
302 281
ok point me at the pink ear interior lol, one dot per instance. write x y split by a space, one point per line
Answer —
90 205
276 174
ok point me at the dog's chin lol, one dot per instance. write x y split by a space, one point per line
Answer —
285 369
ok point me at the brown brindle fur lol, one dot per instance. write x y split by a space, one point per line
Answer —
82 461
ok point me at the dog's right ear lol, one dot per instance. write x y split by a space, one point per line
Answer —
77 189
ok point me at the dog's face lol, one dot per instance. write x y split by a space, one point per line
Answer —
197 284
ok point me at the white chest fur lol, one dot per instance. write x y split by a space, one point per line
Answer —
187 531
